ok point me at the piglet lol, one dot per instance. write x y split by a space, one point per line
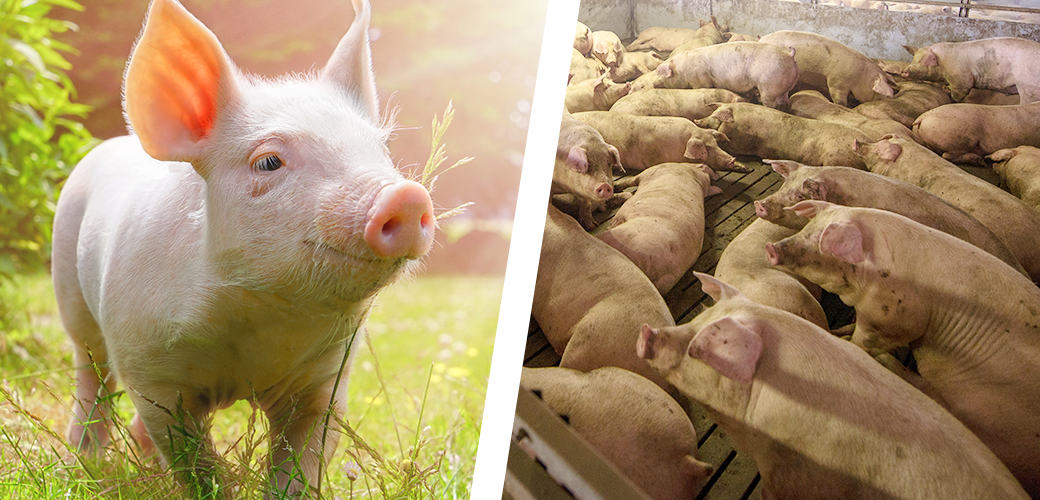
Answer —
857 188
661 227
821 418
967 316
652 441
232 247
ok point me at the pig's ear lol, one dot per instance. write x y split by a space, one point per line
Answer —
719 136
350 65
601 83
730 347
178 80
577 160
783 167
600 47
881 87
929 59
696 150
645 345
809 208
911 50
665 69
724 115
816 189
615 156
844 240
888 151
1003 155
715 288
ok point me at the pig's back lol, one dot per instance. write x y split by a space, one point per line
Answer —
858 430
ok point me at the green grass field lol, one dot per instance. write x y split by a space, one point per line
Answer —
416 398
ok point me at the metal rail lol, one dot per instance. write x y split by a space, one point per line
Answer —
963 7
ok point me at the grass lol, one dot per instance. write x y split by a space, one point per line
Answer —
416 398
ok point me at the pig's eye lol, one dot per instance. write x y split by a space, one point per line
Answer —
268 163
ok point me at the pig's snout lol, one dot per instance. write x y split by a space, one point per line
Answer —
401 222
604 191
760 210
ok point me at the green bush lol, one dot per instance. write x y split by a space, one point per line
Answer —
40 137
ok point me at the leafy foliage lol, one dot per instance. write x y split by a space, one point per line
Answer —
40 138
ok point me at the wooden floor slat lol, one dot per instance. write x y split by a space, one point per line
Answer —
726 214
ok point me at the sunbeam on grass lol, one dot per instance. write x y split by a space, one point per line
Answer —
416 395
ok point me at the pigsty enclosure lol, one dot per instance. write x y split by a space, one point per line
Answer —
564 466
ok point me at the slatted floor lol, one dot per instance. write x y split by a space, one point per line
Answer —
726 215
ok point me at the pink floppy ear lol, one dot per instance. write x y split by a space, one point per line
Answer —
665 70
178 78
577 160
881 87
887 150
696 150
844 240
816 189
729 347
724 116
808 208
930 59
715 288
783 167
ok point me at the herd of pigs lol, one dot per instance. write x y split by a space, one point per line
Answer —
872 208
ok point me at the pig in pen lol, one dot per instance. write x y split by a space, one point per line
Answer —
720 361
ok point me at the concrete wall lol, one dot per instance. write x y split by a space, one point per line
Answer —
876 33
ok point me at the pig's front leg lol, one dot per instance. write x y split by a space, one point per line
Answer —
178 425
870 339
617 199
960 86
300 446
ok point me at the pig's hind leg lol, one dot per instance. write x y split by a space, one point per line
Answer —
88 428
